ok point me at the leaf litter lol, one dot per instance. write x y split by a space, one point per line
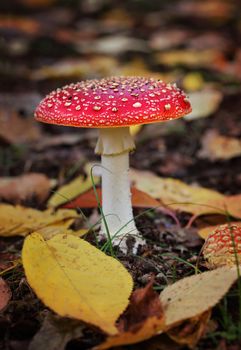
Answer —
39 52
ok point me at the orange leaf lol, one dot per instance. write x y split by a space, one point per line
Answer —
88 199
142 320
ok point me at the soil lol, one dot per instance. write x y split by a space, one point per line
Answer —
168 152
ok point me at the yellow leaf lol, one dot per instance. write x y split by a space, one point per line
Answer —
76 279
178 195
150 327
193 81
61 228
190 57
71 190
194 295
20 221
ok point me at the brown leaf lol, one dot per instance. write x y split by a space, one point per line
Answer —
233 205
216 146
88 199
59 329
190 332
22 24
22 130
142 320
17 189
5 294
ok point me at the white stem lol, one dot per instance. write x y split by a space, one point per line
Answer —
116 196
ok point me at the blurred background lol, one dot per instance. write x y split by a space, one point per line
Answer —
45 44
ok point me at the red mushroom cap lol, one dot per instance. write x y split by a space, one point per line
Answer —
223 245
113 102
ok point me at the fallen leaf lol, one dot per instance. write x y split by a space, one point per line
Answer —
205 9
60 330
19 24
77 280
209 58
205 231
63 69
20 221
22 130
142 320
112 45
71 190
88 200
5 294
178 195
7 261
166 39
219 147
193 81
204 103
61 228
17 189
233 205
194 295
191 331
63 140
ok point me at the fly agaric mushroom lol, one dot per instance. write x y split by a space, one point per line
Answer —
112 105
223 246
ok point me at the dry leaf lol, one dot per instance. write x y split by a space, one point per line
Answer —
60 330
209 58
204 232
233 205
77 280
178 195
193 81
88 200
20 221
61 228
142 320
22 24
190 332
216 146
5 294
194 295
71 190
166 39
204 103
22 130
63 69
17 189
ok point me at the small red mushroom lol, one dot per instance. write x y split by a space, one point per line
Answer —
112 105
223 246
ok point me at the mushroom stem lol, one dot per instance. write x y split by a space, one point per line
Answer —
116 194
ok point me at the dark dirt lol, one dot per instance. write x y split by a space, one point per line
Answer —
167 152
